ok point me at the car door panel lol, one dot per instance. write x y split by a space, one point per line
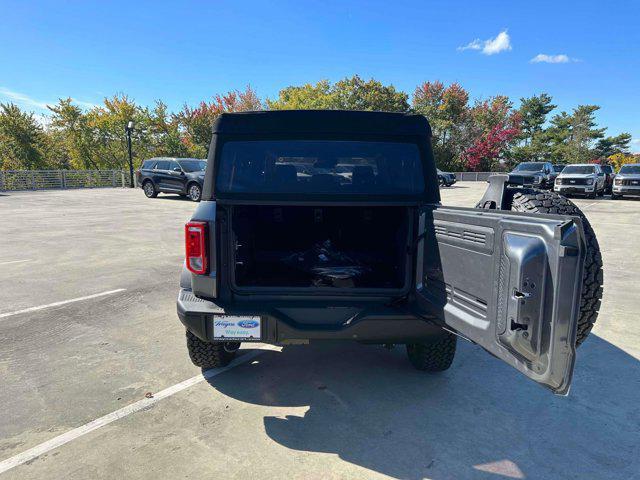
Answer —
509 282
160 174
175 179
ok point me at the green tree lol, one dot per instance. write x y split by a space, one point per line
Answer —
306 97
23 142
356 94
165 135
611 145
447 109
348 94
533 111
533 143
558 135
69 125
96 139
584 133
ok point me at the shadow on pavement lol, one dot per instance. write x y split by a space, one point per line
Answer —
480 419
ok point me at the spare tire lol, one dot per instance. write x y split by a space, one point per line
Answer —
538 201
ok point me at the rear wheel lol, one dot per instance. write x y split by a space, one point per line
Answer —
534 201
435 355
210 355
195 192
149 189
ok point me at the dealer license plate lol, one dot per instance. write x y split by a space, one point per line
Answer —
232 327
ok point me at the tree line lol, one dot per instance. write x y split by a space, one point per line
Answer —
478 135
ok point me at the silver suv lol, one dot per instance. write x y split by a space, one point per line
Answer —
627 182
584 179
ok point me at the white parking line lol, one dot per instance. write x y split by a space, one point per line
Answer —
14 261
66 437
588 205
63 302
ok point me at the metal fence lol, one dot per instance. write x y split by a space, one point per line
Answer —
474 176
61 179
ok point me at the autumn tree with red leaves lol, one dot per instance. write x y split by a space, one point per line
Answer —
493 130
197 121
487 134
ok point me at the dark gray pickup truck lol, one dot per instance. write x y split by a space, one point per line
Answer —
327 225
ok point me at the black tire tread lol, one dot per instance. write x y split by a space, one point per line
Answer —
534 201
435 355
207 354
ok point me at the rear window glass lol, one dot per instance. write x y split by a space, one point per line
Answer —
320 166
148 164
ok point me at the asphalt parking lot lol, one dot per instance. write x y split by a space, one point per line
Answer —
98 380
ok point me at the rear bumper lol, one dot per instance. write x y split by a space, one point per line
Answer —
379 324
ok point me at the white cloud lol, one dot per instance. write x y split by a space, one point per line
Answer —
26 100
500 43
544 58
22 98
475 45
84 104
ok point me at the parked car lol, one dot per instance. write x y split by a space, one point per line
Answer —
535 174
627 182
609 176
183 176
327 225
556 170
584 179
446 179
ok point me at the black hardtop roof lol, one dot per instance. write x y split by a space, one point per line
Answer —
321 121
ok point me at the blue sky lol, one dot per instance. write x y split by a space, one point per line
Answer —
587 52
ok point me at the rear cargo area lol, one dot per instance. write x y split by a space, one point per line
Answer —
308 246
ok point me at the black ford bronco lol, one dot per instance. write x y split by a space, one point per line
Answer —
327 225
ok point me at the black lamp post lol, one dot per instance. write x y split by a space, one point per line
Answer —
129 129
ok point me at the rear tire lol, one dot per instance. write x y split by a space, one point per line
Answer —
194 192
533 201
435 355
149 189
210 355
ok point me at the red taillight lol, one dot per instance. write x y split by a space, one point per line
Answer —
195 237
